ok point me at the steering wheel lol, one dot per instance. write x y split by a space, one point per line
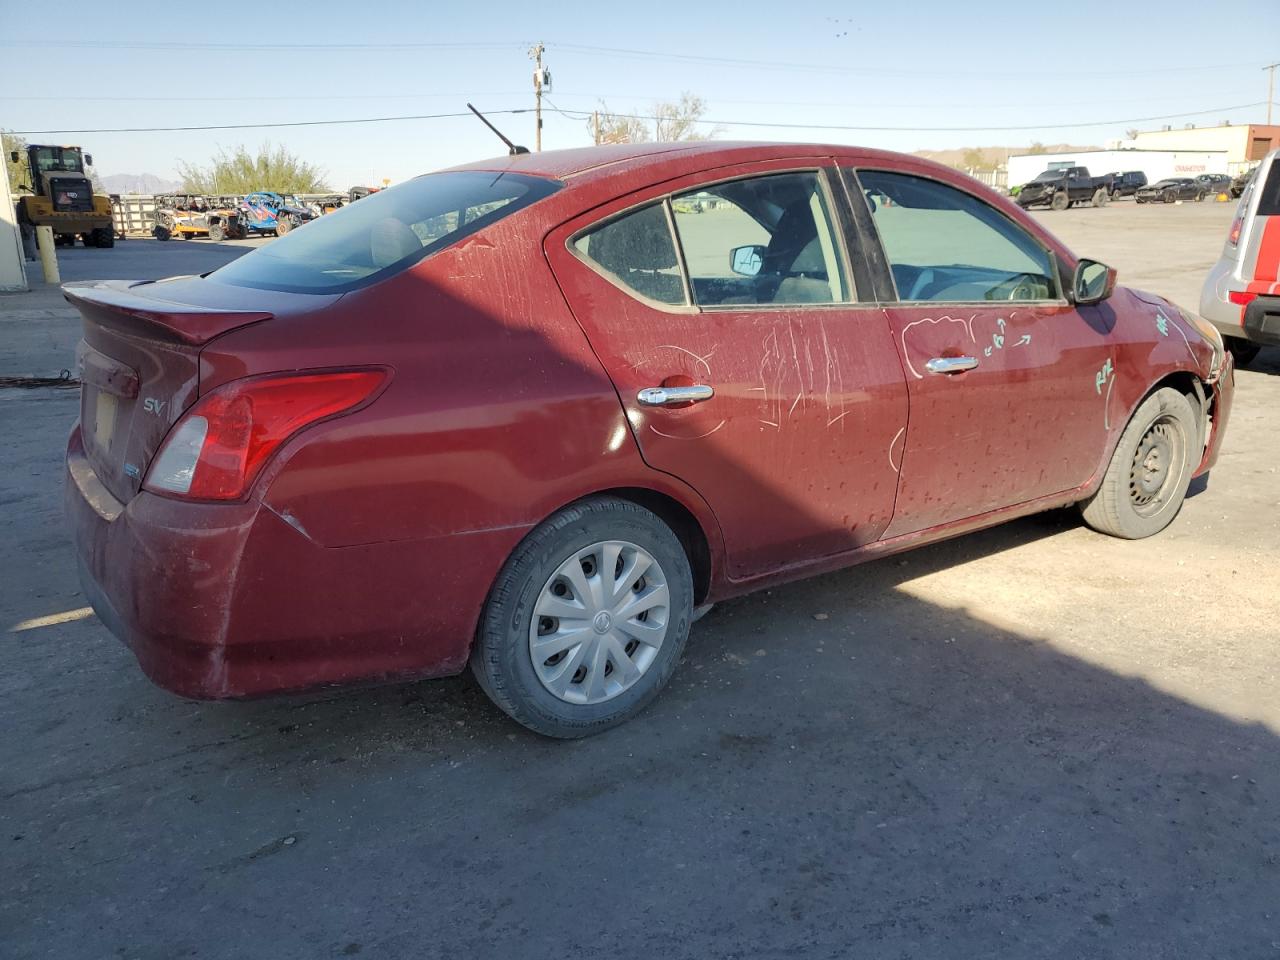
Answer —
1023 286
923 279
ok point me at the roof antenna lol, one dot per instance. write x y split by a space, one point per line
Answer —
512 148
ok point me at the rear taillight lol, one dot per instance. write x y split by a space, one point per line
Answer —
216 450
1237 225
1241 297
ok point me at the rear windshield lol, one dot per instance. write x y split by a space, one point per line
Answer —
384 233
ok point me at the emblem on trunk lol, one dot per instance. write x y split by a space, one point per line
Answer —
152 405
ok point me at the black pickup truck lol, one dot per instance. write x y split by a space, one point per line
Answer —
1064 188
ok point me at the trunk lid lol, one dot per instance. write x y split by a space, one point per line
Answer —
139 364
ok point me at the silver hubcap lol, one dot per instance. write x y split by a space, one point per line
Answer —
599 622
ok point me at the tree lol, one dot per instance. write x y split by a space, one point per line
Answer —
17 171
1037 147
272 168
677 120
974 159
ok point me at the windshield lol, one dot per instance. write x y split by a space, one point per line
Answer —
384 233
1049 175
58 160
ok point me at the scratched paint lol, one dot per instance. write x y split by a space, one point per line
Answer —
1162 323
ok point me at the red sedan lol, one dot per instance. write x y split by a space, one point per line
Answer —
534 414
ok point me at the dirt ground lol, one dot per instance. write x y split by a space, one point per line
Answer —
1030 742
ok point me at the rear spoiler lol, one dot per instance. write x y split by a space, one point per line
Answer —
113 300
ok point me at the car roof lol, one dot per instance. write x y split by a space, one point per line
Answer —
591 163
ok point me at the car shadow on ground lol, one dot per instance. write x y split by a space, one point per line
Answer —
898 779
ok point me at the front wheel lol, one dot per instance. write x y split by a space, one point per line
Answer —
1100 197
1147 479
283 226
1116 194
586 622
217 232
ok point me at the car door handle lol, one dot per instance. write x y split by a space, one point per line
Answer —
951 364
666 396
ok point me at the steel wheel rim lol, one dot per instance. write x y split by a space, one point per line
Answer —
1157 466
599 622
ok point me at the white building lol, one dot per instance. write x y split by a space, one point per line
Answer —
1245 143
1156 164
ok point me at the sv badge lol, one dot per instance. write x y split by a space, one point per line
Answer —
152 405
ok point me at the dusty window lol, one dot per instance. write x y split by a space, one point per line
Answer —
637 250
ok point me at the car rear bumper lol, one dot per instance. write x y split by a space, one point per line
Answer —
224 601
1261 320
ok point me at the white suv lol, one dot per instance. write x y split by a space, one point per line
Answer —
1241 295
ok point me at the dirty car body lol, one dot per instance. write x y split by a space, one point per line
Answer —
349 454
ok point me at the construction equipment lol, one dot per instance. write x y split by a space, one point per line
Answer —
62 197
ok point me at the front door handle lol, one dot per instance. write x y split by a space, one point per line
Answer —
667 396
951 364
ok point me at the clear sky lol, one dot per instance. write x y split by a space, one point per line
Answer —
905 64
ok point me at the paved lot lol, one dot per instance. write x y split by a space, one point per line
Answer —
1030 742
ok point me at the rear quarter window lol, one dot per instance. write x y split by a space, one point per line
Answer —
384 233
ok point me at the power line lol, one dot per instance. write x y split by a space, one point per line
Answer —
583 115
870 71
260 126
206 45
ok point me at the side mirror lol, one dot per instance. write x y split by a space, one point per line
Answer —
747 261
1093 282
88 159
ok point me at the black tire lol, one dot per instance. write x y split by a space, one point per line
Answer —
1060 201
1150 470
1170 196
1200 196
217 232
283 226
104 237
1116 194
1139 200
1100 197
1243 352
500 657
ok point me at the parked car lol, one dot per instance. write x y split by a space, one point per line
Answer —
534 414
1126 184
267 212
1170 190
1241 295
1241 181
1214 183
1064 188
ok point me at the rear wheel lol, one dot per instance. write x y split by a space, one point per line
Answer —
1100 197
161 232
1147 479
1243 351
586 622
217 232
1199 196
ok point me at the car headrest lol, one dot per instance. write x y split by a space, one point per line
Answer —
391 241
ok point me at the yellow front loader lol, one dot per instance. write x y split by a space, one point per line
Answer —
62 197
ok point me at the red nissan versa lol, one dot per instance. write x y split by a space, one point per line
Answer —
534 413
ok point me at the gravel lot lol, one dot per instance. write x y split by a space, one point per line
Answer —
1029 742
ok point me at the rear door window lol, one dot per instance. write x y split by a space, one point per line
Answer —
945 245
384 233
760 241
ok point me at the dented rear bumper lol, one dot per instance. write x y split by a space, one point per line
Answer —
222 601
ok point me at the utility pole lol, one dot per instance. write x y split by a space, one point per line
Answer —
1271 87
595 126
541 78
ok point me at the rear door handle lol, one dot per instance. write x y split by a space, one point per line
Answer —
667 396
951 364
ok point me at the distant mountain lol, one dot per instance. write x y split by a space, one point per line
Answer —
139 183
